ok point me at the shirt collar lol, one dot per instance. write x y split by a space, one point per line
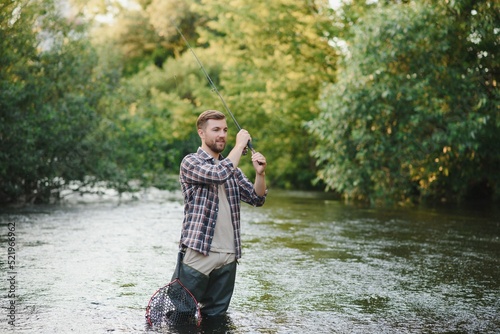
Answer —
205 156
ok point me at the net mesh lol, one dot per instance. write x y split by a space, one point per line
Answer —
173 305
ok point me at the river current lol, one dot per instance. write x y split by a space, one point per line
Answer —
310 264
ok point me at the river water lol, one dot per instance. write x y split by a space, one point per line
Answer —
310 265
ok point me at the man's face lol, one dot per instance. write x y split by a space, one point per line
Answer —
214 135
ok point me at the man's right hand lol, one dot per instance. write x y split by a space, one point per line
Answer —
242 139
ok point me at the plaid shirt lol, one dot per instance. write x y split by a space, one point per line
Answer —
199 178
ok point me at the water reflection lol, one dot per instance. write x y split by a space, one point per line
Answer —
310 265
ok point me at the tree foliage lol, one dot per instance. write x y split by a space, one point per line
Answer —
415 111
270 60
63 120
48 94
110 93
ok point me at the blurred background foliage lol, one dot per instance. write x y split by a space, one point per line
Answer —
385 102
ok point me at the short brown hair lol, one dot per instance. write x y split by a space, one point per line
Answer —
206 115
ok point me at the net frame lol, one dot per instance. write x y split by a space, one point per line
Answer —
173 304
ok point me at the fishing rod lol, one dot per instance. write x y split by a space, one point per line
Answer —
214 88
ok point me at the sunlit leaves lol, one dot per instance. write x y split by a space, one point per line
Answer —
275 62
407 116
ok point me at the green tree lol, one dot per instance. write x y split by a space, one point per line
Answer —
48 95
150 119
269 61
143 34
273 58
143 129
415 112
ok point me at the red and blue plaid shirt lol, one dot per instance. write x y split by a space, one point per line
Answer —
200 177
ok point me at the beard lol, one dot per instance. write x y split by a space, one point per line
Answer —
217 146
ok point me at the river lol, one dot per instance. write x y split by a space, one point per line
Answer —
310 264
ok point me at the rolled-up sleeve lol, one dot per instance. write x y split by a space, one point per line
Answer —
195 169
247 190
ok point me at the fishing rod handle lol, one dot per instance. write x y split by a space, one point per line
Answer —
250 146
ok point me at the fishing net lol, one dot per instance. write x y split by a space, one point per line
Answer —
173 304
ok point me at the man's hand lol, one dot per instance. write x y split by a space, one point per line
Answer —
242 139
259 163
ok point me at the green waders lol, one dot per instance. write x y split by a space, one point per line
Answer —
214 291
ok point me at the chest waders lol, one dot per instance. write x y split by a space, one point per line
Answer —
212 291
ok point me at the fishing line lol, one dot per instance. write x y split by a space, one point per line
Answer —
214 88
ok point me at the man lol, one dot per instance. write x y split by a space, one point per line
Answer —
213 187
